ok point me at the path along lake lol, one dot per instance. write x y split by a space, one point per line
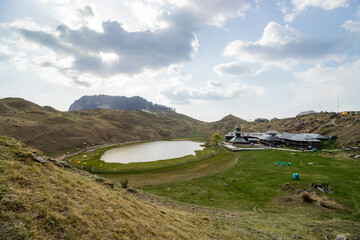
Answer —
151 151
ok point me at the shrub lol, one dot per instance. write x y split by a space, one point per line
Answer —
307 198
124 183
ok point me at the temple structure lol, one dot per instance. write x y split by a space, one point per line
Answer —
238 139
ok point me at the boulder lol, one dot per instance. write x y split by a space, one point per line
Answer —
341 237
40 158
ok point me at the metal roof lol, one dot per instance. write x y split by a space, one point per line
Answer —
268 137
316 136
305 113
272 132
230 134
303 138
238 139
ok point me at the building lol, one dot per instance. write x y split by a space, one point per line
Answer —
261 120
305 113
238 139
316 136
272 132
303 140
229 136
270 140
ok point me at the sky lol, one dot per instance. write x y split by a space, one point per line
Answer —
205 58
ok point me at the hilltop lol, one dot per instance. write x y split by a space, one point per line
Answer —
115 102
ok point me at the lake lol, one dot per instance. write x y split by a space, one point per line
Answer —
151 151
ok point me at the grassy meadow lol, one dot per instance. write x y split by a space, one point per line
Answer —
241 195
255 184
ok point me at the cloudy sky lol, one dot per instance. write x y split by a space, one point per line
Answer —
206 58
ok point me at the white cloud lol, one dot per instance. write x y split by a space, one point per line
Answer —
352 26
135 51
167 35
210 92
236 69
194 13
285 47
322 84
299 6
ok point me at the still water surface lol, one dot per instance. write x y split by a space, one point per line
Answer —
151 151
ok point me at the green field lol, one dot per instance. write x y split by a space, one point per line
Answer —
251 190
256 180
255 184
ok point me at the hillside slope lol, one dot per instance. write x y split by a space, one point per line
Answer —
53 131
346 128
44 201
50 130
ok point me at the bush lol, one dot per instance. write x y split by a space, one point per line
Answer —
307 198
124 183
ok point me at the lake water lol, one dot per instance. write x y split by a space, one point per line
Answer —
151 151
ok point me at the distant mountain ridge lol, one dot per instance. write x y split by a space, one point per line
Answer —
115 102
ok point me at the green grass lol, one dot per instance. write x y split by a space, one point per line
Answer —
93 163
261 195
256 182
44 201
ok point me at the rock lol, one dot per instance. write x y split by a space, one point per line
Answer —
131 190
352 155
99 179
325 205
225 184
293 236
341 237
39 158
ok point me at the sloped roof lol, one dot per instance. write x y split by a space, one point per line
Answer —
272 132
303 137
268 137
238 139
238 126
271 138
305 113
230 134
285 135
316 136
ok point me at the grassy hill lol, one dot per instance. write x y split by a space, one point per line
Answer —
54 131
44 201
50 130
346 128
